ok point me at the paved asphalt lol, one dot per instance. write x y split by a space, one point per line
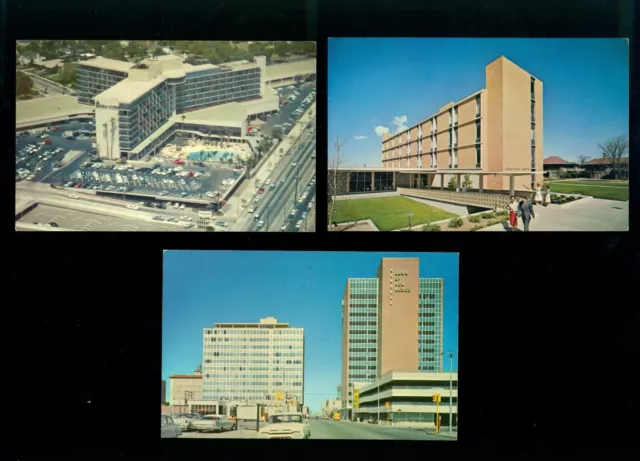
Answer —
285 111
332 430
276 203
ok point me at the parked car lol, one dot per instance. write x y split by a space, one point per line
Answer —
184 420
286 426
169 429
215 423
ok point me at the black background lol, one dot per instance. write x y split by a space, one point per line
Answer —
548 321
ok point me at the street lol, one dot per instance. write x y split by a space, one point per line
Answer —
330 430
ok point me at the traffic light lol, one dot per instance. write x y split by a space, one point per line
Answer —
436 398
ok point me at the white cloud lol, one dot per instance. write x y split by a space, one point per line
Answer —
380 130
357 138
400 122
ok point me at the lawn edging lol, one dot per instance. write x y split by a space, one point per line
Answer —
444 223
355 223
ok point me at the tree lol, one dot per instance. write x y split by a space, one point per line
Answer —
334 166
24 84
68 74
113 50
211 229
466 183
615 153
135 49
282 49
453 183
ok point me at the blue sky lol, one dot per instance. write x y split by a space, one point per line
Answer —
303 289
390 83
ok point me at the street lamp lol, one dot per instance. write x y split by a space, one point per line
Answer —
409 216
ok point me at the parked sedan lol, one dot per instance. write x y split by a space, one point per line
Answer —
215 423
286 426
169 429
184 420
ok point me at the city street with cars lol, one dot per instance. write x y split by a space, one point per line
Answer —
331 430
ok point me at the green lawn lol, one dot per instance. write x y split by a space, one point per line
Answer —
388 213
604 190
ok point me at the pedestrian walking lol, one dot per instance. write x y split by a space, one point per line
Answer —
547 196
513 210
538 196
527 212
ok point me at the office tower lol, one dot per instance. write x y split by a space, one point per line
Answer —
390 322
254 362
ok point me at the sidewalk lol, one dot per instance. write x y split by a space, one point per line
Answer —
444 433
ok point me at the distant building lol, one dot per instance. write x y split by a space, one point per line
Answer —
329 406
185 387
255 362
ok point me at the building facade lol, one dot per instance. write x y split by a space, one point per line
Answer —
163 391
409 397
183 388
138 106
390 322
98 75
256 362
329 406
497 129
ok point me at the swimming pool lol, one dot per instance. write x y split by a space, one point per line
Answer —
211 155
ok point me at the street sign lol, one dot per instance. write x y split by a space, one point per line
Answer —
387 404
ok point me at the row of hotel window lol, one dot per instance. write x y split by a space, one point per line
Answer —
234 354
256 331
262 384
453 140
453 121
243 361
235 369
244 339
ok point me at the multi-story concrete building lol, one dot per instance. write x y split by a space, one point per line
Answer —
139 107
390 322
98 75
258 362
329 406
410 399
184 388
494 136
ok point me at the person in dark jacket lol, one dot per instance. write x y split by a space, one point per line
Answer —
527 212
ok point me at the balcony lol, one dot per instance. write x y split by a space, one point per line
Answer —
533 119
533 142
478 140
533 96
478 165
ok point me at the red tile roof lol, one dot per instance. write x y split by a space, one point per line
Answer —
555 161
601 161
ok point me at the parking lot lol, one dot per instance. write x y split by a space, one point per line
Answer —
171 181
84 221
45 152
289 103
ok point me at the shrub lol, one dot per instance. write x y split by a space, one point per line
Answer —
489 215
477 227
455 223
502 213
431 228
453 183
474 219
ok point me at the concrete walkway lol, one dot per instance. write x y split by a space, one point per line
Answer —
367 195
587 214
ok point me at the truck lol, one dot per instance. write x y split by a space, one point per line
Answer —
336 416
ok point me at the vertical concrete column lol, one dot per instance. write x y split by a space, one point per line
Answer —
394 180
441 181
511 185
481 183
373 181
458 181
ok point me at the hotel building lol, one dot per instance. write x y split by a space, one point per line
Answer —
494 136
254 362
392 322
184 388
140 107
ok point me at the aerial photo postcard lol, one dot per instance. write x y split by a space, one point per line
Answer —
489 135
360 346
165 136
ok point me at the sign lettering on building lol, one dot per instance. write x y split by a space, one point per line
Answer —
103 106
400 288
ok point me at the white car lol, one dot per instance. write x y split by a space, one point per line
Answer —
260 224
215 423
257 199
286 426
133 207
268 181
251 210
169 429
